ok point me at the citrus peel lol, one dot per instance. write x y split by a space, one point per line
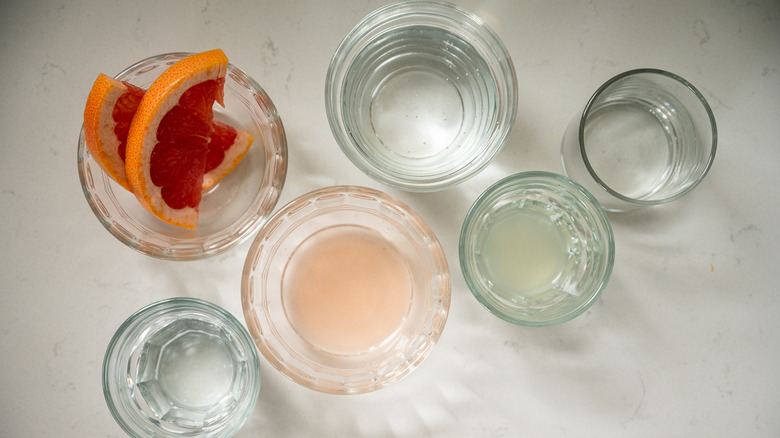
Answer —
164 144
110 108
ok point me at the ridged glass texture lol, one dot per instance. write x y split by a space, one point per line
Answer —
574 225
421 95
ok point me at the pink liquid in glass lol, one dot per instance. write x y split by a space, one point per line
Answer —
346 289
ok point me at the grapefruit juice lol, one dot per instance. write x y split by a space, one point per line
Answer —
346 289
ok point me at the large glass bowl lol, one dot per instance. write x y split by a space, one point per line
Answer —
421 95
229 212
345 290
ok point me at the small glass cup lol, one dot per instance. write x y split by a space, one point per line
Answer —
181 367
536 249
421 95
646 137
229 212
345 290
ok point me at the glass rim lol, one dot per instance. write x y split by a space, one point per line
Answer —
171 306
586 113
504 74
304 371
483 204
275 172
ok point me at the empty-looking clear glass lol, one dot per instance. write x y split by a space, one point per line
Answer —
421 95
646 137
181 367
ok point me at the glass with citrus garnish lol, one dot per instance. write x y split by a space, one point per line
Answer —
237 188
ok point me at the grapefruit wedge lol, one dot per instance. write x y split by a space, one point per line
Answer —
110 108
108 113
174 142
227 147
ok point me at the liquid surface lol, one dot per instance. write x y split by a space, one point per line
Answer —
417 112
346 289
523 253
187 372
629 148
418 96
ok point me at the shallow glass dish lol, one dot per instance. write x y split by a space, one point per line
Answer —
181 367
421 95
232 210
345 290
536 249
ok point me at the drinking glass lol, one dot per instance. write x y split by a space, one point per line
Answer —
536 249
421 95
646 137
181 367
345 290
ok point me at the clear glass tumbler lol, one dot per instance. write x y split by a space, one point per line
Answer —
646 137
421 95
181 367
536 249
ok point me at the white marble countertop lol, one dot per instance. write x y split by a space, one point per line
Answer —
685 340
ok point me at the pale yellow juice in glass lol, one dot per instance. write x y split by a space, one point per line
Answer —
524 253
